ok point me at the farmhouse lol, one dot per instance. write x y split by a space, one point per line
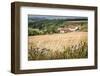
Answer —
72 25
65 30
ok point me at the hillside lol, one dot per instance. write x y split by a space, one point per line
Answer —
49 25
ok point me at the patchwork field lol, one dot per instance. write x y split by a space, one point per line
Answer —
58 46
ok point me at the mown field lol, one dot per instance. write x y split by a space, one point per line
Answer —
70 45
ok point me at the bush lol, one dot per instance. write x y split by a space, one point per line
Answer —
34 32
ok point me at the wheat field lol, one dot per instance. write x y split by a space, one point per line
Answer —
58 46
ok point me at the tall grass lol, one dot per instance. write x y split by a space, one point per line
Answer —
75 51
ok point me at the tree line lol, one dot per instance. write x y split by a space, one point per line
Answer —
47 26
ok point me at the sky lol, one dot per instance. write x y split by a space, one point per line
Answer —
55 17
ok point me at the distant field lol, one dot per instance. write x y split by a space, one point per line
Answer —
58 46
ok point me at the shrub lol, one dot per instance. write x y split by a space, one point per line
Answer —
34 32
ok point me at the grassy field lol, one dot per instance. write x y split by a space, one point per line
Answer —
58 46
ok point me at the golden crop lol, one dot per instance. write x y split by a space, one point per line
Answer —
58 46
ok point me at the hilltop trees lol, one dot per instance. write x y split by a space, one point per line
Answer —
49 26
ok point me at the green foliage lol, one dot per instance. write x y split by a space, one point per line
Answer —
84 28
38 27
34 32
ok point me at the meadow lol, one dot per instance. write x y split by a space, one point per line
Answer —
72 45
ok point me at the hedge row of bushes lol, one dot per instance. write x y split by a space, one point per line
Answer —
32 32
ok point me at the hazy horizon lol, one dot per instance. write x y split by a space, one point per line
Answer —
54 17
